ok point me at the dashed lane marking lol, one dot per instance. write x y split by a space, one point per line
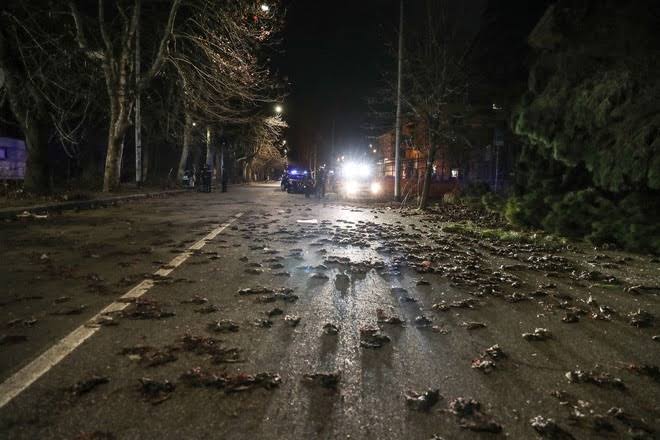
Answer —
27 375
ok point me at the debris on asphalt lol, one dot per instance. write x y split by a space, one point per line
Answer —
12 339
484 365
292 320
639 429
253 271
274 312
383 318
371 337
87 385
548 428
641 319
62 299
471 417
319 276
262 323
223 326
422 402
198 378
149 356
422 321
594 377
539 334
473 325
325 380
202 345
24 322
196 299
330 329
145 308
423 282
570 318
244 382
284 295
156 392
652 371
208 309
494 352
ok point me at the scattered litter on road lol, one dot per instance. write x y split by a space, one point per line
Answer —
202 345
262 323
473 325
87 385
292 320
62 299
223 326
495 352
422 321
652 371
156 392
208 309
330 329
274 312
319 276
641 319
422 402
383 318
196 299
548 428
325 380
539 334
594 377
471 417
371 337
23 322
145 308
484 365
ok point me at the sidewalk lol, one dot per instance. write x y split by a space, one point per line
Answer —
94 202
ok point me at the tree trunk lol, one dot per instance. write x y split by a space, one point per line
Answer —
185 151
36 169
423 200
113 158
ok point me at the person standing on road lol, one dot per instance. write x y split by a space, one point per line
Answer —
320 182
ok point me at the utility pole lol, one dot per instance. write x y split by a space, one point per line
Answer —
138 116
397 141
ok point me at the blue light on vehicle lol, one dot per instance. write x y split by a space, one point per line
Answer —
305 173
294 172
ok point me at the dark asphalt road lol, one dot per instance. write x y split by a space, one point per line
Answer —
51 268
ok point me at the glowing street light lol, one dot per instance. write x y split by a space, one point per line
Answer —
265 7
278 109
194 124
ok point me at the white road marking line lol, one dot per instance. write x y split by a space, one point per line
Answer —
27 375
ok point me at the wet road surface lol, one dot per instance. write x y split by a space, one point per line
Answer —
223 346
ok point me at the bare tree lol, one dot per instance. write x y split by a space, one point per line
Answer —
47 100
437 76
113 48
218 55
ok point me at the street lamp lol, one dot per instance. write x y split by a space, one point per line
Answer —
278 109
194 124
265 7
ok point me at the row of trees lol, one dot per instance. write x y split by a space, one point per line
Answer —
198 66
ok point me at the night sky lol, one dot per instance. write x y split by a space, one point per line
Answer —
334 53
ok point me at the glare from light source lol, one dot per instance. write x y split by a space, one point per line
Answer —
374 150
265 7
376 188
352 187
194 124
278 109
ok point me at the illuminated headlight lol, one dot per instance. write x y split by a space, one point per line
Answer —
352 187
376 188
294 172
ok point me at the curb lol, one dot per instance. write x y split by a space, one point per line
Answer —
11 213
